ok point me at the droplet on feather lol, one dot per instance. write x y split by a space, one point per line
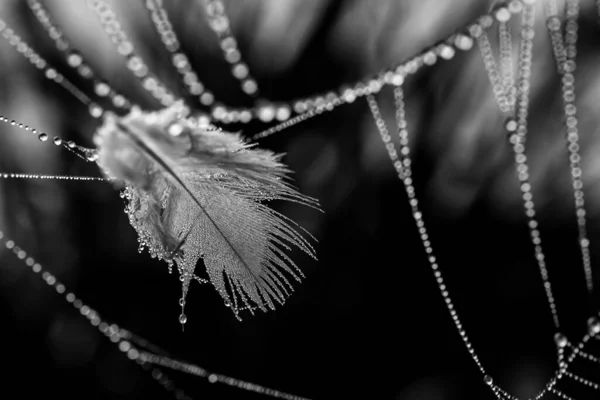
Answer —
175 130
202 195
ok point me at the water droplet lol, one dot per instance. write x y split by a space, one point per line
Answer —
175 129
266 113
119 101
181 301
283 113
180 61
95 110
102 89
182 319
74 59
43 137
250 86
57 141
560 340
71 145
511 125
51 73
594 325
91 155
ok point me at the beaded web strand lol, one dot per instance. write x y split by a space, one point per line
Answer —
511 94
516 127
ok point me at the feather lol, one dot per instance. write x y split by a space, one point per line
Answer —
194 193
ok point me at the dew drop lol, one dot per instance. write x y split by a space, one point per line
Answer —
175 129
51 73
102 89
71 145
560 340
57 141
511 125
182 319
95 110
119 101
91 155
181 301
250 86
283 113
74 59
266 113
594 326
43 137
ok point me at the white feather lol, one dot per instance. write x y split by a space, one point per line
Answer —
200 193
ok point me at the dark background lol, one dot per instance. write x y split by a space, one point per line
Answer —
368 322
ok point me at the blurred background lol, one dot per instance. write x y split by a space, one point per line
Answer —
368 322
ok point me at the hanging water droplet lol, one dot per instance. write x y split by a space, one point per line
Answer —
175 129
181 301
102 89
43 137
57 141
91 155
182 319
511 125
266 113
594 326
95 110
71 144
119 101
560 340
74 59
283 113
